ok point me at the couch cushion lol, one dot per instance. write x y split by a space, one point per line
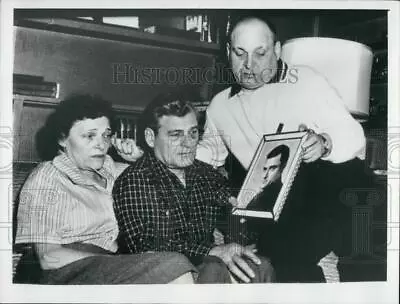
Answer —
21 171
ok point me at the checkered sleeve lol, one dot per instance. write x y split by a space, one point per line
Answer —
197 239
134 203
192 248
207 210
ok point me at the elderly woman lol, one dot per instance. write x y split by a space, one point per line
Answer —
66 206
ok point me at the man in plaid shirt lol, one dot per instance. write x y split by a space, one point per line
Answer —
168 201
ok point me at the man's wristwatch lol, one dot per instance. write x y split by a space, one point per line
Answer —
326 143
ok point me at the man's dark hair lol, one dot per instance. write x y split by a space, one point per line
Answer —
59 123
258 15
282 150
168 104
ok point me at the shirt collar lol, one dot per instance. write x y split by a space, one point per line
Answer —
280 76
156 166
66 165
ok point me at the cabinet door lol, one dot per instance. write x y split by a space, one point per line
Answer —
29 117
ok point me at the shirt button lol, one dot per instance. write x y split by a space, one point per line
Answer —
242 220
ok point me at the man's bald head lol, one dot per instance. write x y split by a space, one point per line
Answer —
254 23
253 52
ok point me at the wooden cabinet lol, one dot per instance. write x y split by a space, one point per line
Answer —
88 58
125 66
30 115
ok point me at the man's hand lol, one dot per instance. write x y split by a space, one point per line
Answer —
219 238
314 146
232 254
233 201
127 149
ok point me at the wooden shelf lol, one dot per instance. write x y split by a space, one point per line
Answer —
46 102
117 33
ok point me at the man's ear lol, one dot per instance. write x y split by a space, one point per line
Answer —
278 49
62 142
149 136
228 50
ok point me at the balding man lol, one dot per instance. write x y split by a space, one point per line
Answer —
268 93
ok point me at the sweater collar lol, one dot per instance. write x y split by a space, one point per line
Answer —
280 76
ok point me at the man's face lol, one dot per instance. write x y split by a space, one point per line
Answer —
253 54
272 170
176 141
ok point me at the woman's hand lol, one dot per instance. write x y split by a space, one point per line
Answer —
127 149
233 201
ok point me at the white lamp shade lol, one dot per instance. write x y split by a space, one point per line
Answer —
346 64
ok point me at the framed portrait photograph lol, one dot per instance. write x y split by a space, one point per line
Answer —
271 174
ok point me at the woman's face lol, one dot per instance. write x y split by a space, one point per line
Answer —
87 142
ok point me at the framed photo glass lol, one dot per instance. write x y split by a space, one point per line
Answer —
271 174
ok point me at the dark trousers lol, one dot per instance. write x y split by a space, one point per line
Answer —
213 270
315 220
144 268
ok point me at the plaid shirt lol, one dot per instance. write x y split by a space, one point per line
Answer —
155 212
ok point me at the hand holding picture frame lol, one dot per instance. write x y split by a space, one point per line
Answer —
271 174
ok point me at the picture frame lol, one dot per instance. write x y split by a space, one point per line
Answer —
270 176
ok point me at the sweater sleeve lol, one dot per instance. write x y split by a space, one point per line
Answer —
211 149
330 116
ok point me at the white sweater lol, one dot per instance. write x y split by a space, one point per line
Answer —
238 123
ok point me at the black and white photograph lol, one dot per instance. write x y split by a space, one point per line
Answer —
206 152
271 175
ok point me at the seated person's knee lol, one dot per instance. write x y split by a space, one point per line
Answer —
213 270
264 272
175 258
